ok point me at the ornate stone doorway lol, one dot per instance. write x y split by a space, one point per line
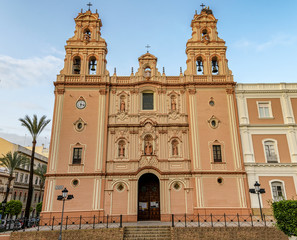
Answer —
148 197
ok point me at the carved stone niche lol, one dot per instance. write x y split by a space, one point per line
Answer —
122 105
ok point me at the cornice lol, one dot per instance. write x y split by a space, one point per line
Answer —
270 165
268 125
190 173
185 84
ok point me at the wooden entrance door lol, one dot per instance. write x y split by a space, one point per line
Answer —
148 198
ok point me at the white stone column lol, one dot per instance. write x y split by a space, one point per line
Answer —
247 144
287 109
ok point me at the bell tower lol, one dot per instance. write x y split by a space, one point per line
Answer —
206 52
86 50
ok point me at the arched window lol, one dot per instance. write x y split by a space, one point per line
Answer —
121 148
92 65
174 147
277 191
147 72
148 145
87 34
215 66
76 65
199 65
270 151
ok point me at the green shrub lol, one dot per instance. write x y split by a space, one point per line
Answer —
39 208
285 213
13 207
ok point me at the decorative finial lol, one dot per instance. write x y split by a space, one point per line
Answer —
163 70
96 10
147 48
181 70
132 70
115 71
81 10
202 5
195 12
89 4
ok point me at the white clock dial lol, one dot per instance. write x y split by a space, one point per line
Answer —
81 104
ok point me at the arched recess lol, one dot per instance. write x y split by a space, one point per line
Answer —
148 197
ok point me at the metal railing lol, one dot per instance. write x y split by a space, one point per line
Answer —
116 221
198 220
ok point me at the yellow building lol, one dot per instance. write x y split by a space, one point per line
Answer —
20 184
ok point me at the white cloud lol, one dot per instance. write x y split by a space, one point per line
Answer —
16 73
278 40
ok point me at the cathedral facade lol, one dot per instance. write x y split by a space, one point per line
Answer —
146 145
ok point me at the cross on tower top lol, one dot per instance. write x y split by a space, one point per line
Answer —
89 4
147 48
202 5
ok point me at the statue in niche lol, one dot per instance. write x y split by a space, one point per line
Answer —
148 149
121 149
122 106
173 104
175 148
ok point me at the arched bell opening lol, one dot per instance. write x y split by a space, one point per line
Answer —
215 66
199 65
148 198
76 65
92 65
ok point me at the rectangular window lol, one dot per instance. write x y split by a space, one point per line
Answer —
147 101
21 177
264 110
36 180
16 176
77 156
277 191
270 152
26 178
217 154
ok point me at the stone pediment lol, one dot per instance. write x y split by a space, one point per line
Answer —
147 56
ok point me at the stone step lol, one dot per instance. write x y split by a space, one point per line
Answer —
147 233
145 238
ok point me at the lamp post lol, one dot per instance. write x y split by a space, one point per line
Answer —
257 190
63 198
3 208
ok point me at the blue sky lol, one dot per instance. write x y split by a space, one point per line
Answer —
261 37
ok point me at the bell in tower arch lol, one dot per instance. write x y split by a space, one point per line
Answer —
199 65
215 67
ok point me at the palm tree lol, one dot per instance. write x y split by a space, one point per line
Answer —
11 161
40 172
35 127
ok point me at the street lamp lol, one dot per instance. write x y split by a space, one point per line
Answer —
257 190
63 198
3 208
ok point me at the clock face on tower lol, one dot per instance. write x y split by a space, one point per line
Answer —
81 104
